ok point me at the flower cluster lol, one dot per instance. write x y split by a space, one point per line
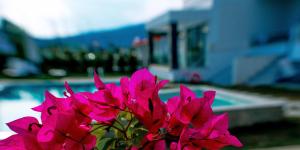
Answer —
129 116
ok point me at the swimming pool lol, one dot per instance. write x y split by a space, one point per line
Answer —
244 109
17 99
35 92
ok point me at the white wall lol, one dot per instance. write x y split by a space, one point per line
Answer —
247 67
235 23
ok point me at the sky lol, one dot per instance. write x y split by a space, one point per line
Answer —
52 18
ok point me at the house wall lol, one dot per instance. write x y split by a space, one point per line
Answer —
294 20
294 13
235 24
246 68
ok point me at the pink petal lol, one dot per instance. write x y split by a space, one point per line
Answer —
221 122
48 96
124 82
162 83
23 125
173 104
185 92
234 141
142 74
82 103
90 142
14 142
98 82
173 146
209 96
46 134
142 83
68 88
160 145
204 113
38 108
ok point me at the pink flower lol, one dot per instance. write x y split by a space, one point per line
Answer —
188 109
102 105
81 101
142 84
213 134
152 142
98 82
155 145
154 117
77 102
65 123
185 122
27 129
143 100
51 105
106 103
62 131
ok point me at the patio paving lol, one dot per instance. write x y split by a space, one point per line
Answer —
293 109
293 147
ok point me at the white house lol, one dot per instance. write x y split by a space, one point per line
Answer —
227 41
18 52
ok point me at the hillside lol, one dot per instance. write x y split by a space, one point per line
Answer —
121 37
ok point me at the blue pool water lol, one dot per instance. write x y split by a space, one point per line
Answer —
16 100
36 92
217 102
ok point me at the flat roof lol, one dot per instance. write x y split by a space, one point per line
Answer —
183 17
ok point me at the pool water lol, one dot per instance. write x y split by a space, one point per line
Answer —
218 102
36 91
16 100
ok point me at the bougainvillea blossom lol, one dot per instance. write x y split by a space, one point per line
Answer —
131 115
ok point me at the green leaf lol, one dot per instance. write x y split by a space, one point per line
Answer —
138 135
99 131
110 134
105 143
117 133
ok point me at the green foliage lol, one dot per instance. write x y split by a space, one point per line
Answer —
105 143
125 131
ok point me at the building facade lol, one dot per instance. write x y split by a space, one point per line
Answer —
16 42
227 42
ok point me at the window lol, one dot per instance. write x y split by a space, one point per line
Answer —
298 32
196 43
161 53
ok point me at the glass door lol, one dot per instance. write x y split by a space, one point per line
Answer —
196 43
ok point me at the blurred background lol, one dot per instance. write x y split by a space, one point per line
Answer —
249 47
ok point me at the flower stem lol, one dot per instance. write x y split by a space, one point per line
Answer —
129 123
122 131
117 121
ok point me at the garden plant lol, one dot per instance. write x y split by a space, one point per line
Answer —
128 116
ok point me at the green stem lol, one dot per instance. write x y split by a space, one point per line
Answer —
100 126
117 121
131 119
122 131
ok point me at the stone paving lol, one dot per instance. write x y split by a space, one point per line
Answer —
293 147
293 109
